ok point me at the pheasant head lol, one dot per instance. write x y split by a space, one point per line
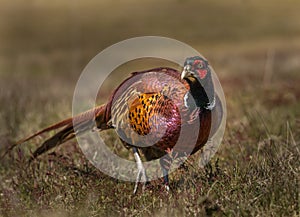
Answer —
197 73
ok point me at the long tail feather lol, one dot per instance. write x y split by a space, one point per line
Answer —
59 138
81 123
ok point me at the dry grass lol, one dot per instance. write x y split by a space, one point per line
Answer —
255 50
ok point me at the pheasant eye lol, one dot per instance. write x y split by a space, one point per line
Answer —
200 65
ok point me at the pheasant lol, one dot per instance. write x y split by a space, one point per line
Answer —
149 110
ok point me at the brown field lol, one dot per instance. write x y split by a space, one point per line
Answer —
254 47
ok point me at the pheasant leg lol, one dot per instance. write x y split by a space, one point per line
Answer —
165 163
141 175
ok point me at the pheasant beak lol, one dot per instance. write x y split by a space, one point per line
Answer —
186 71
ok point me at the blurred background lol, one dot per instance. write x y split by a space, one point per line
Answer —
61 36
253 45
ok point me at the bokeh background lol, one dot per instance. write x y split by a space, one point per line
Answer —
254 47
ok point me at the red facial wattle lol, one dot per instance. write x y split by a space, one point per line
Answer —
202 73
197 62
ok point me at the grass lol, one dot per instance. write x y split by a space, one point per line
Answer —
254 173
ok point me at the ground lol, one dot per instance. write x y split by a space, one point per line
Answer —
254 48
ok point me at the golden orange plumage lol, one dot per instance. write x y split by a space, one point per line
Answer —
143 110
